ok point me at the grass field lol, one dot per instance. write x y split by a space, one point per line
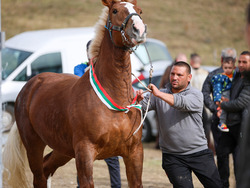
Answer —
199 26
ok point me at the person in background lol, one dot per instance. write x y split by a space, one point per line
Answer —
80 69
229 142
198 73
243 170
222 83
112 162
207 90
181 136
165 77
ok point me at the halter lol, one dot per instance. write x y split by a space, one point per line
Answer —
109 26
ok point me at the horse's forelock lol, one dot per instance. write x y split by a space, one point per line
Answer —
95 45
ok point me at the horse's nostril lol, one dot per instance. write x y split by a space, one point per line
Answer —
135 29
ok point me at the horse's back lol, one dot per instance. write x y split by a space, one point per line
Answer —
41 105
47 84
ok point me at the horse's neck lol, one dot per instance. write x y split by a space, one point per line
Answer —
113 69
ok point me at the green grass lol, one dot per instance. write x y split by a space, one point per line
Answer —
187 26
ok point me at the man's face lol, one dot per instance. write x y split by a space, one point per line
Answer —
244 63
179 78
196 62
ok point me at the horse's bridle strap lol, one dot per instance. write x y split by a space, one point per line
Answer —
110 27
124 23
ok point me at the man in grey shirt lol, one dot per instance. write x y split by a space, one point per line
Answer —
181 134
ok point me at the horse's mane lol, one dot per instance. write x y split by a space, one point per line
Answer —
95 45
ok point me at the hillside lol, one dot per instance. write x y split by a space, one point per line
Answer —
199 26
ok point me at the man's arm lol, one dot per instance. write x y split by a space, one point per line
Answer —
190 102
238 104
168 98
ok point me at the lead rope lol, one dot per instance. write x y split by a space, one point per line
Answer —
147 89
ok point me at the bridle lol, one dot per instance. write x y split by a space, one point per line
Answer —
110 27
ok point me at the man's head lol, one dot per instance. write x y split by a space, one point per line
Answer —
180 76
228 52
228 65
244 61
181 57
195 61
87 48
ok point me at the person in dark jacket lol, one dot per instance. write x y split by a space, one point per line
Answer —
243 171
239 99
207 90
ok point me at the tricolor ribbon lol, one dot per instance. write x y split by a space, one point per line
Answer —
104 96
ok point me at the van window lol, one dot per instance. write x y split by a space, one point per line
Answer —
157 52
47 63
11 59
22 76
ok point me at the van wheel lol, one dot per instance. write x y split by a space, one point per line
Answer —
8 117
146 132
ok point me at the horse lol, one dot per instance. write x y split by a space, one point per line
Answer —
66 113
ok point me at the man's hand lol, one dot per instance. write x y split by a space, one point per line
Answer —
156 92
217 103
224 99
219 112
140 95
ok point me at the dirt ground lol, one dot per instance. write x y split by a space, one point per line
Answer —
153 174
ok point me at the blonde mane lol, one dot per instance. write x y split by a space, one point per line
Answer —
95 45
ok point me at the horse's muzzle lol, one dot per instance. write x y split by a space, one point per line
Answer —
139 34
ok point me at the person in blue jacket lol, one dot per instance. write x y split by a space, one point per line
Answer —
222 83
112 162
79 70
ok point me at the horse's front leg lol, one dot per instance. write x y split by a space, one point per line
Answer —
134 165
84 155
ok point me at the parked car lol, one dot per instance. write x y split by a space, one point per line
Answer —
57 50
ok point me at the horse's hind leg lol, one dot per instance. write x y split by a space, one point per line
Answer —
35 157
52 161
34 148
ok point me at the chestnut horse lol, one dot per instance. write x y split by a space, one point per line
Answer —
64 112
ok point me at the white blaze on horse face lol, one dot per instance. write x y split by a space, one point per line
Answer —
138 24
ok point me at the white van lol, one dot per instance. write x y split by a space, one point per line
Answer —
58 50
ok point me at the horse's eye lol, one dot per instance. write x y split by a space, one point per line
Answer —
140 11
115 11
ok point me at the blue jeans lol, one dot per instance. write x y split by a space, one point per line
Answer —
114 171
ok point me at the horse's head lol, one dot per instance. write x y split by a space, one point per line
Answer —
124 23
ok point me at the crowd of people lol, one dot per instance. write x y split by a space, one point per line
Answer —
180 107
187 93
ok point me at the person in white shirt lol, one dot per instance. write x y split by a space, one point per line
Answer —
199 74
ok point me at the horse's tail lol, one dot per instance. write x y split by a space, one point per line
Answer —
15 161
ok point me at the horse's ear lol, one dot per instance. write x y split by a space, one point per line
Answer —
107 2
133 2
